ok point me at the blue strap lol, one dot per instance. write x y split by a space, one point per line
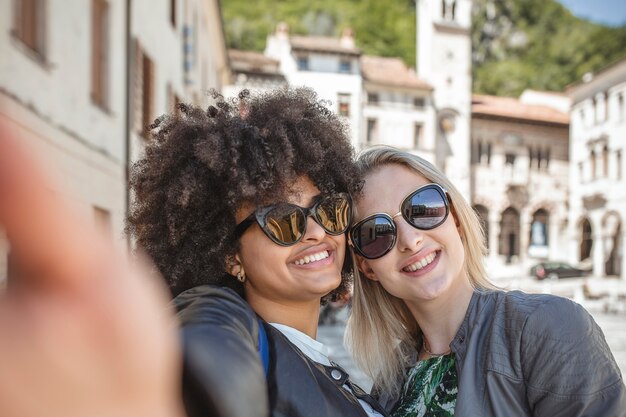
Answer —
264 350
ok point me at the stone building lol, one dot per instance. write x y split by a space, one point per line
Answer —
68 88
398 107
597 185
519 186
329 65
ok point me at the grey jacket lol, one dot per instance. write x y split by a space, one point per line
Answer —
519 354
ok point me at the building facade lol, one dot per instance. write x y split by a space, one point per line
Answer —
80 80
597 187
330 65
519 187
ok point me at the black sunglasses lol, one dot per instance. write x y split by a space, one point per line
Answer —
285 223
425 208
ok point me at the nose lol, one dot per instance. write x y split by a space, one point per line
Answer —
314 232
409 238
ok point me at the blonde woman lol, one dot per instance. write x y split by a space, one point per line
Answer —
436 336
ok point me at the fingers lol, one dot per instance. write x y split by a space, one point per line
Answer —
50 244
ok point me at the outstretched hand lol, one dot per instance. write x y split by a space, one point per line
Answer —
82 332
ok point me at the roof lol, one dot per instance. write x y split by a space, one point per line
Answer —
391 72
512 108
323 44
250 61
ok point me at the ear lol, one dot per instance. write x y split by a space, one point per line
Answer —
456 220
365 268
233 264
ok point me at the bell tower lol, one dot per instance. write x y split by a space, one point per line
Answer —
444 61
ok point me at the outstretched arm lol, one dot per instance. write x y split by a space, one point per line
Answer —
82 333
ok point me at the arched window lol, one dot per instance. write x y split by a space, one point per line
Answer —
509 234
483 216
539 228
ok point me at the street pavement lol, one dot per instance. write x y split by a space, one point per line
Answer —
612 323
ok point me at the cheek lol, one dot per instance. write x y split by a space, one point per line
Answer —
258 253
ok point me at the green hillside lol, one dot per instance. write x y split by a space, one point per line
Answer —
517 44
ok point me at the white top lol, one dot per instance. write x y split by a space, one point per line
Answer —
317 352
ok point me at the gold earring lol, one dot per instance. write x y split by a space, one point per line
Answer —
241 277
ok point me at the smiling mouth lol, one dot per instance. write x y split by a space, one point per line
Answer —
422 263
315 257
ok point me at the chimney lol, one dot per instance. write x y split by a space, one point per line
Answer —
347 38
282 31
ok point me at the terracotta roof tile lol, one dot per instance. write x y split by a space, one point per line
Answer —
512 108
390 71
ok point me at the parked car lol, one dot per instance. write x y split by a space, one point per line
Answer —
556 270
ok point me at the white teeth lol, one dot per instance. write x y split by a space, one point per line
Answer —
421 263
312 258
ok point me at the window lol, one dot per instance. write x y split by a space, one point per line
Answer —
99 52
605 161
592 158
448 9
417 136
620 106
595 110
143 94
509 159
484 152
371 131
29 24
539 232
372 98
343 100
606 106
545 163
345 66
303 63
419 102
618 162
173 12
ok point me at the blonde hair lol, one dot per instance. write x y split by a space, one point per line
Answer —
381 332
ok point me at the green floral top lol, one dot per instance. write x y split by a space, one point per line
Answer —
430 389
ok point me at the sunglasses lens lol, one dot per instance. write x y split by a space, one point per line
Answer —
285 224
334 214
425 209
374 237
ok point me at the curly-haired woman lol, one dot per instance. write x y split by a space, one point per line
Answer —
244 208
